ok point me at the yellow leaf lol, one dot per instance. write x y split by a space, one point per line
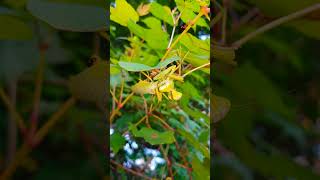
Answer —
123 12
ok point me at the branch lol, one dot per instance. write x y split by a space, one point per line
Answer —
274 24
17 117
129 170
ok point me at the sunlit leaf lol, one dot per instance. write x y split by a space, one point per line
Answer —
161 12
123 12
155 37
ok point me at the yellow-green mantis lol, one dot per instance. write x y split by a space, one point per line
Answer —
160 84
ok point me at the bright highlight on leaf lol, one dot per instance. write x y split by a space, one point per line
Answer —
123 12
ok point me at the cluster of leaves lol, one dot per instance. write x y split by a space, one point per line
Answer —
154 46
253 140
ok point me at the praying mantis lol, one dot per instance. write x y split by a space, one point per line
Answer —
160 85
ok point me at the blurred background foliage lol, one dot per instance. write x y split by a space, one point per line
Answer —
272 128
53 40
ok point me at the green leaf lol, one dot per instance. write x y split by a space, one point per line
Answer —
194 142
114 69
116 142
100 3
13 28
310 28
188 8
196 45
136 67
204 136
220 106
161 12
152 23
226 55
155 37
152 136
198 60
90 84
248 81
69 16
123 12
200 170
190 4
199 50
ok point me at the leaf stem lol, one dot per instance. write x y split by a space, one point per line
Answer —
182 34
113 114
17 117
37 94
26 148
204 65
43 131
274 24
174 27
224 25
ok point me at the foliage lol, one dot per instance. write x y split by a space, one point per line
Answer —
49 124
160 73
260 56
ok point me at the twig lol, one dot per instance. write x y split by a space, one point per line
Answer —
37 94
113 114
274 24
224 25
216 19
26 148
12 125
181 35
163 122
22 152
204 65
167 160
174 27
17 117
43 131
129 170
114 97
